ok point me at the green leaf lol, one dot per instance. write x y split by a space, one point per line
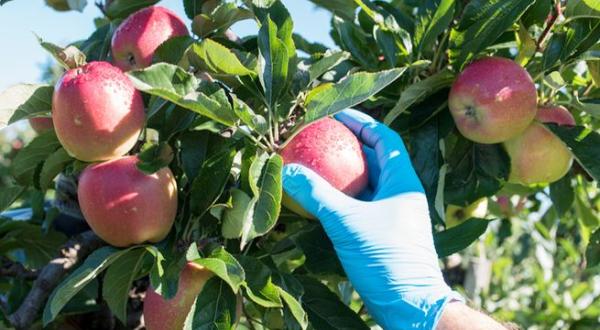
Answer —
118 280
460 237
328 99
582 8
173 84
273 62
173 50
24 101
54 164
123 8
9 195
419 91
562 194
97 46
342 8
216 58
354 40
592 253
325 63
225 266
69 287
235 217
318 250
193 152
210 182
482 22
475 171
259 287
255 121
433 17
295 308
38 246
584 144
567 44
215 308
325 310
25 165
219 19
193 7
155 157
70 57
267 200
527 46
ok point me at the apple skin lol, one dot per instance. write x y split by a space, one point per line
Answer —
492 100
537 155
455 215
137 38
125 206
331 150
97 113
41 124
162 314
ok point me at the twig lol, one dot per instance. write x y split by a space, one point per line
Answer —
557 12
74 251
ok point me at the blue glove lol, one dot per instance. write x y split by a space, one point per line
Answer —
383 238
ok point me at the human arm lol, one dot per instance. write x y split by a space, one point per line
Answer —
384 239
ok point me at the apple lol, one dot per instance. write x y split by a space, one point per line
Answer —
97 113
537 155
125 206
162 314
455 215
493 100
137 38
41 124
331 150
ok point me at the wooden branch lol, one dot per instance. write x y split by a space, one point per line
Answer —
74 251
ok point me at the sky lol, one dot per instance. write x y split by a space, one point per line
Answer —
21 57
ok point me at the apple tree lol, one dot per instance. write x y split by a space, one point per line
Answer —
219 109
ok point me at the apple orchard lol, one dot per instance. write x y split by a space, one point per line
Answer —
153 183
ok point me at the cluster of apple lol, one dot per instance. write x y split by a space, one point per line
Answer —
494 100
98 115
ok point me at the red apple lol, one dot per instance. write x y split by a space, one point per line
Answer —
537 155
137 38
97 113
125 206
162 314
493 100
41 124
331 150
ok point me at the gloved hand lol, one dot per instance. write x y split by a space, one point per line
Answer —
384 239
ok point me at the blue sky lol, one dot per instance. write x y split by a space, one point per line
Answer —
21 56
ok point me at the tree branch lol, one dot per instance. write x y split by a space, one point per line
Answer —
74 251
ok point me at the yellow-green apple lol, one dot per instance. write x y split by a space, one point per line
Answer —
137 38
492 100
163 314
125 206
97 113
455 215
41 124
537 155
331 150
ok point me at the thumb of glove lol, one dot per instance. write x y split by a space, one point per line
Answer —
312 192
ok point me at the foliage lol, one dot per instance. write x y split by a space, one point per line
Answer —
219 110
